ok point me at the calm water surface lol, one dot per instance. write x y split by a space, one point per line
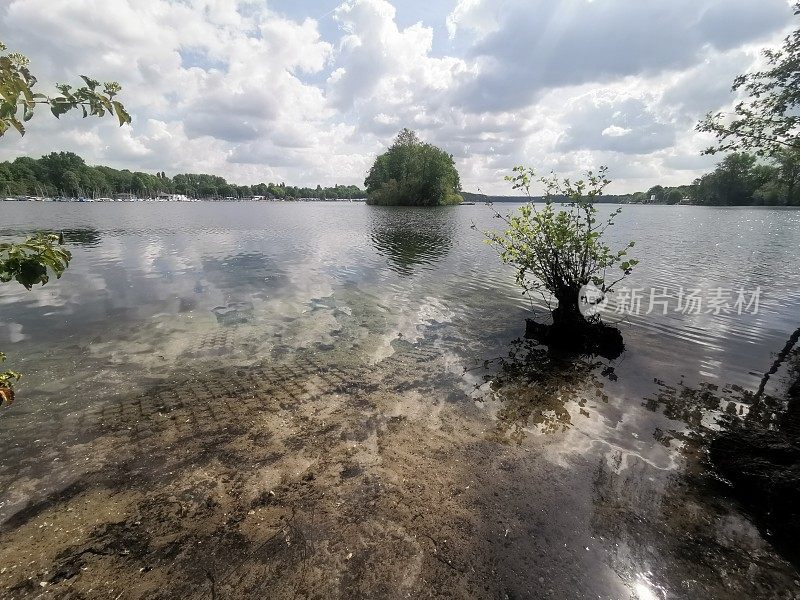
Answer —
164 292
148 282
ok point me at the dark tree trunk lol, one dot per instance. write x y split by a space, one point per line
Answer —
567 314
572 333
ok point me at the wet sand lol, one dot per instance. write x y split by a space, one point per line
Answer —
302 478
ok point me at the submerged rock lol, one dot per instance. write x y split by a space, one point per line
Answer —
235 313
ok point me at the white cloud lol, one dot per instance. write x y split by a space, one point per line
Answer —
535 45
476 15
236 89
616 131
379 62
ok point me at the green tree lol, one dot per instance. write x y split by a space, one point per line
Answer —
783 190
639 198
18 99
207 189
226 190
94 180
734 182
768 120
656 192
413 173
559 252
71 183
139 184
673 196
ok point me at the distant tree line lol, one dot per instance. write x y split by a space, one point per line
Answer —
67 174
740 179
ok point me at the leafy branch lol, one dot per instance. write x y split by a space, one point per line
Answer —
768 121
29 263
18 99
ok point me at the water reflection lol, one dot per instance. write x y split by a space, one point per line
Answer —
750 441
708 408
535 388
759 456
253 272
86 236
675 533
668 537
417 240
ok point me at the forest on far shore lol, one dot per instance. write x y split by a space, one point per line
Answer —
739 180
67 174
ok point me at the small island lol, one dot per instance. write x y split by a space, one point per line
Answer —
413 173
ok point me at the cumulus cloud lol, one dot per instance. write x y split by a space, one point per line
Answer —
526 46
378 61
241 89
622 124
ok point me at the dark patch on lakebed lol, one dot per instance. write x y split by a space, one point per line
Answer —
759 458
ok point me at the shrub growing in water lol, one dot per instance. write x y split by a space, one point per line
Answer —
560 252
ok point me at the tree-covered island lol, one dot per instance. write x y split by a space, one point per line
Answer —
413 173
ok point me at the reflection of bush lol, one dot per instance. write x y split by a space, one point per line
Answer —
82 237
535 387
254 270
420 240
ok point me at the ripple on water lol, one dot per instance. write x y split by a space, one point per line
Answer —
135 264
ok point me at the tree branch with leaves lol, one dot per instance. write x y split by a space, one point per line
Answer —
18 100
767 122
29 263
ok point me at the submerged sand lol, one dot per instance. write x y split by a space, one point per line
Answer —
303 478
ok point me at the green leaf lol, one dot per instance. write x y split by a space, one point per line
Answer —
17 125
122 114
92 83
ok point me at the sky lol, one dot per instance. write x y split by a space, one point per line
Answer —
310 91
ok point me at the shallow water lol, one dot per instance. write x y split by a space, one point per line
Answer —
159 295
148 281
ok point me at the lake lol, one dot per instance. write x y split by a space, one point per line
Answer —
351 361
